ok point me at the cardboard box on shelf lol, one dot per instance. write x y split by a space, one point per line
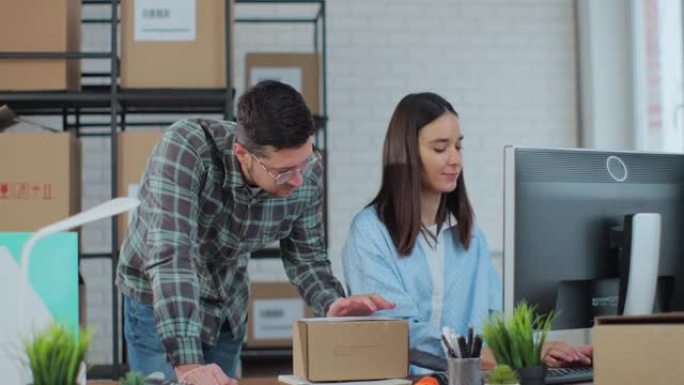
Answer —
40 26
300 70
273 307
134 148
174 44
631 350
40 179
350 349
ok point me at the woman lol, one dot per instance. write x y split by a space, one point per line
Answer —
417 245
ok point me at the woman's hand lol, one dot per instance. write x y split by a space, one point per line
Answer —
556 354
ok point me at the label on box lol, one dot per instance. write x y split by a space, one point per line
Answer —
291 76
273 318
25 191
164 20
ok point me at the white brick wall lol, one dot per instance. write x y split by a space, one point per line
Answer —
508 67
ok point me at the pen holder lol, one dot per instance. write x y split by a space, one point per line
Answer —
464 371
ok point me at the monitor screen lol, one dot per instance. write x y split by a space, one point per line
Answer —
564 212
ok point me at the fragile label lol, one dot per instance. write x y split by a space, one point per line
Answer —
25 191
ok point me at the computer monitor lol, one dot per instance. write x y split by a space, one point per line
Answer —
564 218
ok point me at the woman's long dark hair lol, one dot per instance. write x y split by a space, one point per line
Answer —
398 201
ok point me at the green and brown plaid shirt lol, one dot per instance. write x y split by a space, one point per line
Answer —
188 244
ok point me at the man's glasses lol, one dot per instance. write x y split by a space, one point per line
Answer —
282 177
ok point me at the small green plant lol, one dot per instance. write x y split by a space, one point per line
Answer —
133 378
518 341
55 354
502 375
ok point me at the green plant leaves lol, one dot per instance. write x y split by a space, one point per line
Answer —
55 354
517 341
502 375
133 378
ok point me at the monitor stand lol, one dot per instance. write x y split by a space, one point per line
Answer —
639 264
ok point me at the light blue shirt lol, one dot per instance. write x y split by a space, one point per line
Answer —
470 283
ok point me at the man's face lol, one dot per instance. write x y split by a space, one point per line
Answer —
276 165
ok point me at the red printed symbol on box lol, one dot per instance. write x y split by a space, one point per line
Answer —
47 191
5 191
21 190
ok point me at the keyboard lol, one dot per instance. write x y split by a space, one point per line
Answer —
569 375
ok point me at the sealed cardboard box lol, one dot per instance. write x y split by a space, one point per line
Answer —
273 307
299 70
40 26
40 179
636 350
350 348
134 148
174 43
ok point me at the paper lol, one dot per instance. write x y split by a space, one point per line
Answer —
164 20
273 318
291 76
294 380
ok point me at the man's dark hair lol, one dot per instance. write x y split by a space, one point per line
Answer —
272 114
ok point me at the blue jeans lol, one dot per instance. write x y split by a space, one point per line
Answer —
146 353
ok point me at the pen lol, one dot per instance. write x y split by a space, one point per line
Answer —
451 337
462 346
477 346
450 350
469 340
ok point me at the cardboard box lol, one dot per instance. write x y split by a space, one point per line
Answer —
300 70
134 148
273 307
166 47
40 26
639 349
350 349
40 179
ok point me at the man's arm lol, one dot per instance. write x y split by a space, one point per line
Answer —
304 254
169 210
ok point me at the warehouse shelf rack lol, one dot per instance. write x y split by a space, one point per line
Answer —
110 100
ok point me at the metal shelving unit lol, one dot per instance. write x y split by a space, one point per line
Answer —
319 45
117 104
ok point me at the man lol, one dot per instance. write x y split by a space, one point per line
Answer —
213 192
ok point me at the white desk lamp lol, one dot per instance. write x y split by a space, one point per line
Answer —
108 209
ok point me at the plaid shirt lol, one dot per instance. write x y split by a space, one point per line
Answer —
189 242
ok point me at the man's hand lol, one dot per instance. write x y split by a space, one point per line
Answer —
558 354
358 305
196 374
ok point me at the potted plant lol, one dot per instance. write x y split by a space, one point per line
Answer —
517 341
502 375
56 355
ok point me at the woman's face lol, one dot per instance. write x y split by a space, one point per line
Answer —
440 154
